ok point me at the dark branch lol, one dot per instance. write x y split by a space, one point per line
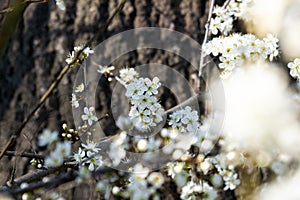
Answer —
24 154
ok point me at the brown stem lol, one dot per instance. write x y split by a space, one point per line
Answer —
187 102
24 154
33 176
35 1
58 180
205 38
201 64
226 4
53 182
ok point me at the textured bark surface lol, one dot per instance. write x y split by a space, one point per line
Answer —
37 50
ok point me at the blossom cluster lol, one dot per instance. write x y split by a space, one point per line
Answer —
224 16
61 151
89 155
74 59
199 190
216 170
235 49
75 100
127 75
117 148
106 71
227 172
47 137
145 111
141 184
186 121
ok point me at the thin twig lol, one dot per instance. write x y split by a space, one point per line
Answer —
201 64
205 40
59 78
101 118
13 171
35 1
187 102
226 4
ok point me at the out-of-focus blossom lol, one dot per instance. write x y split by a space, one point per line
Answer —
285 188
47 137
259 108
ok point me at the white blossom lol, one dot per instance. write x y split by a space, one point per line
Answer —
295 68
156 179
79 88
124 122
54 160
84 54
145 110
231 182
94 162
89 115
47 137
224 16
90 148
79 155
63 149
105 69
235 49
116 149
128 74
74 102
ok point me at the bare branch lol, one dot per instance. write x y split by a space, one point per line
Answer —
58 180
35 1
53 182
187 102
205 39
24 154
226 4
34 176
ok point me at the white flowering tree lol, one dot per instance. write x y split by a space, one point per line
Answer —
175 152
